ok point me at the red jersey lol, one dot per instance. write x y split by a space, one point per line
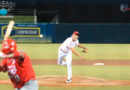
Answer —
19 71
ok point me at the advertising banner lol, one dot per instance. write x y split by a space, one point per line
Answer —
27 33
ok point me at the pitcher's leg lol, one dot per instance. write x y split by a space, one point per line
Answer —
69 66
60 57
69 70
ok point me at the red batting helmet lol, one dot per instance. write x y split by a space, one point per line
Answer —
9 46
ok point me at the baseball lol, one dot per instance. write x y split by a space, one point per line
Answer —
41 35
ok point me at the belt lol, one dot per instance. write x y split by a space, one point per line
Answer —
63 51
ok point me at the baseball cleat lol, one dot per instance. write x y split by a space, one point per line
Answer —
68 81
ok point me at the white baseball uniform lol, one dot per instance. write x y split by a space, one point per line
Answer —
65 51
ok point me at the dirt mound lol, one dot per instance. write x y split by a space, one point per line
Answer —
77 81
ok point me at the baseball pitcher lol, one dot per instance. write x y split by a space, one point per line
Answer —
18 65
65 52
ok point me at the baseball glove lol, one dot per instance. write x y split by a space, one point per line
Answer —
84 50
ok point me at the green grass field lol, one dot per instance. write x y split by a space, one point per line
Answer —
96 51
18 19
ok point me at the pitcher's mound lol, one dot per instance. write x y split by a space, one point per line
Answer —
78 81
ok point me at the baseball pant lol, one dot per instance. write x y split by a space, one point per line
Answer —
68 57
30 85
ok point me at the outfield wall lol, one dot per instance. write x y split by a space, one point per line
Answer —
95 33
57 33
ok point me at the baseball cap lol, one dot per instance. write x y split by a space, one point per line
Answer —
76 33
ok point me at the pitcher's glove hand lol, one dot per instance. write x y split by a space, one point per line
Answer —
85 50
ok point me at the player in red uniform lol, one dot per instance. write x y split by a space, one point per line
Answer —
18 65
